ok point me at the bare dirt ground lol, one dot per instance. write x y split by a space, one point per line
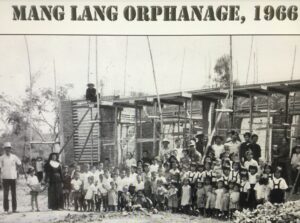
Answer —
25 215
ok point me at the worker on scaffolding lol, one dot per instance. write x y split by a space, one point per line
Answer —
91 94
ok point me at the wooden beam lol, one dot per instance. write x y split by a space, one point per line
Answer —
71 136
116 136
278 91
204 98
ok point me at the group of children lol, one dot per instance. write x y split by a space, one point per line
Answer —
215 188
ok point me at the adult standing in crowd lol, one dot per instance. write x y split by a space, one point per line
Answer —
8 166
54 180
282 159
165 150
130 160
193 153
255 148
234 144
201 143
178 149
218 147
245 146
295 162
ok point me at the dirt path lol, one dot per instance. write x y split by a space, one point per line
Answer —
44 216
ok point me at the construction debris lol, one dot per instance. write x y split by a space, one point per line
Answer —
269 213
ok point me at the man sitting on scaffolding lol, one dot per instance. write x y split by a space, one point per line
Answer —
90 94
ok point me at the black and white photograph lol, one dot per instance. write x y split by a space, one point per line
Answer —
149 128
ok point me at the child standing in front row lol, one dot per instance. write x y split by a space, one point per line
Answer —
186 196
34 185
76 191
278 187
200 195
90 194
234 198
244 189
112 196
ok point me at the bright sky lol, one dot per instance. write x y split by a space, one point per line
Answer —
274 56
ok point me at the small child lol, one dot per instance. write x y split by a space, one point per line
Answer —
126 200
76 191
35 187
234 198
244 190
209 173
226 174
225 203
200 195
112 196
219 197
90 194
186 196
252 181
67 187
210 201
278 187
172 197
261 190
235 173
160 196
249 160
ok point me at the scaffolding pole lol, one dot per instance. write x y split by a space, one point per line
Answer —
251 113
268 150
154 130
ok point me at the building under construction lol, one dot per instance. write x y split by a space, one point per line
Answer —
137 124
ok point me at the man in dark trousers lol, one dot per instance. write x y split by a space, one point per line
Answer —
255 148
8 167
91 93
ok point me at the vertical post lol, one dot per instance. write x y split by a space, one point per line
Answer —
185 124
286 118
154 153
231 84
98 104
92 140
116 136
136 132
141 132
268 151
178 120
251 113
191 118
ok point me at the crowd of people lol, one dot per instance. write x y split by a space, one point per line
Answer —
197 179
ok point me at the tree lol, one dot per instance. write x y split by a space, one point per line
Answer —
222 69
44 116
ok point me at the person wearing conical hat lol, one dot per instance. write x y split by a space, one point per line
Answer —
8 167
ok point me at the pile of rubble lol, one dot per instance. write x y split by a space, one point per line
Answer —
269 213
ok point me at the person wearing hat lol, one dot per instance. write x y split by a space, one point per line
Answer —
90 94
8 166
165 150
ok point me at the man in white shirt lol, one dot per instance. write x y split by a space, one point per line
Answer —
8 167
234 144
